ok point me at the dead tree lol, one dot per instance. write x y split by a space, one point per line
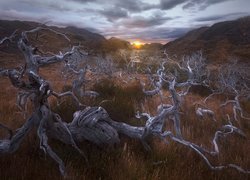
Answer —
93 123
105 66
201 112
154 125
234 82
38 91
9 39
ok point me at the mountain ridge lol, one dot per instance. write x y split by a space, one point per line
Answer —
219 42
92 42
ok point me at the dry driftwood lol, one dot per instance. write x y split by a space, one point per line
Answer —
93 123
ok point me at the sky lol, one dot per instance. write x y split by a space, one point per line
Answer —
133 20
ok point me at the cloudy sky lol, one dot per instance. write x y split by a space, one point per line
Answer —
144 20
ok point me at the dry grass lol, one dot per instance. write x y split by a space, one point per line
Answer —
128 160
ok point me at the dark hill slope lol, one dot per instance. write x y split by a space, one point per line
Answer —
219 42
91 42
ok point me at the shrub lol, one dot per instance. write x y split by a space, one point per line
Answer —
121 101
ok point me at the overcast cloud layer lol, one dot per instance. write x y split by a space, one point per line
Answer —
144 20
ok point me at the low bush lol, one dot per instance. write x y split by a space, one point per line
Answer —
119 101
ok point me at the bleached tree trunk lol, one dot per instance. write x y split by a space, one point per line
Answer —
93 123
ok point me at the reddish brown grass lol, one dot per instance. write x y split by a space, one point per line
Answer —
128 160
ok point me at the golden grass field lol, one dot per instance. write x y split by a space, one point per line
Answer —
128 160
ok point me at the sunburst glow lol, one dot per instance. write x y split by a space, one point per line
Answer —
137 44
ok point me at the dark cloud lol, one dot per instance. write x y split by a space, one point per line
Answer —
130 5
223 17
58 8
84 1
143 22
188 4
114 13
169 4
134 5
201 4
18 15
210 18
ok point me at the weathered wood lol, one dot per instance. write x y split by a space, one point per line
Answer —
93 123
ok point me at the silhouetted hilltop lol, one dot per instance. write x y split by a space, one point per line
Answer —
114 44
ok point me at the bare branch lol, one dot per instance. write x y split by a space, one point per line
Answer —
93 123
8 39
11 145
37 29
201 112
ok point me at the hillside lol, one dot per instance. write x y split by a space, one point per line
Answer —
84 37
92 42
152 46
114 43
218 42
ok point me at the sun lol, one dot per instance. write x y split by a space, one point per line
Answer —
137 44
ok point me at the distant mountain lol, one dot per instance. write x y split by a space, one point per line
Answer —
114 44
218 42
92 42
152 46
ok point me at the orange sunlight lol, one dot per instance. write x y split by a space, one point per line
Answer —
137 44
